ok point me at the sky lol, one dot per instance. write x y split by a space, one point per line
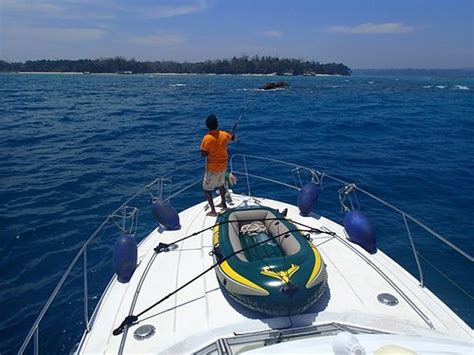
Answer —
360 34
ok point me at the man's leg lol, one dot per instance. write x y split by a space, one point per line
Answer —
223 192
208 195
207 186
220 183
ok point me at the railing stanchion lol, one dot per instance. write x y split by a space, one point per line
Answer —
299 176
414 250
86 295
36 342
161 188
247 175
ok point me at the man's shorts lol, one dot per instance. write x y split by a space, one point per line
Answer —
212 180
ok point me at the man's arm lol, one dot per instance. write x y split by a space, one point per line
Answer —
204 146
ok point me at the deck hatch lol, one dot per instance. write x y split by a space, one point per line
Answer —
387 299
144 332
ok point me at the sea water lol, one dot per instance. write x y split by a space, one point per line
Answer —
74 147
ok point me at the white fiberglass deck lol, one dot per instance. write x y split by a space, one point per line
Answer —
200 314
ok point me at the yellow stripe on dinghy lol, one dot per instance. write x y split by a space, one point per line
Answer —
215 236
234 275
316 268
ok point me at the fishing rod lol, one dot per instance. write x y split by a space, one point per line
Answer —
131 319
240 117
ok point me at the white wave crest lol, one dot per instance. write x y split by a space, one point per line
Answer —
462 87
428 86
440 86
178 85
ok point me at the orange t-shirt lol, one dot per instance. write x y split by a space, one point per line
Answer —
215 144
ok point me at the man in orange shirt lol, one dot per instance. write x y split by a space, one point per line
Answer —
214 147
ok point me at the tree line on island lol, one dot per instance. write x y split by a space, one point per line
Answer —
235 65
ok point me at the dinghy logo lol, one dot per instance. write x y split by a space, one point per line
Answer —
284 275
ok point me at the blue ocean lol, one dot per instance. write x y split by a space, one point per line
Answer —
75 147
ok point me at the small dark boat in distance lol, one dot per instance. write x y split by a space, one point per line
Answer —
275 85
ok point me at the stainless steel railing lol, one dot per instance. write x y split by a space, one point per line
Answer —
34 331
245 159
312 172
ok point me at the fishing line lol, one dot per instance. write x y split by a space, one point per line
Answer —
34 229
240 116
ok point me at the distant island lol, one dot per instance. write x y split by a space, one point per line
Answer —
264 65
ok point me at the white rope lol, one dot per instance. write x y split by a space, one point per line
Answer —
256 227
345 193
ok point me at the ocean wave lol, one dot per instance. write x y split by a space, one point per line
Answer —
249 89
461 87
427 86
276 89
178 85
440 86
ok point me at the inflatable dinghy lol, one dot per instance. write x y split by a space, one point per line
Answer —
278 272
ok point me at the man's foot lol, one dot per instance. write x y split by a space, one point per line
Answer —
222 205
211 214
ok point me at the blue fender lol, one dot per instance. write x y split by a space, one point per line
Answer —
165 213
360 230
307 198
125 257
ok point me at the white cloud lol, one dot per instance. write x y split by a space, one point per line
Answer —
173 11
100 9
28 6
56 10
372 28
54 34
164 39
272 34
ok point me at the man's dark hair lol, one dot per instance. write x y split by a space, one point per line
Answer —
211 122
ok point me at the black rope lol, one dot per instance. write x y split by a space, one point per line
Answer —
164 247
327 231
285 211
131 319
262 259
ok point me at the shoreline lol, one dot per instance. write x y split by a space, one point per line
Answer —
165 74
